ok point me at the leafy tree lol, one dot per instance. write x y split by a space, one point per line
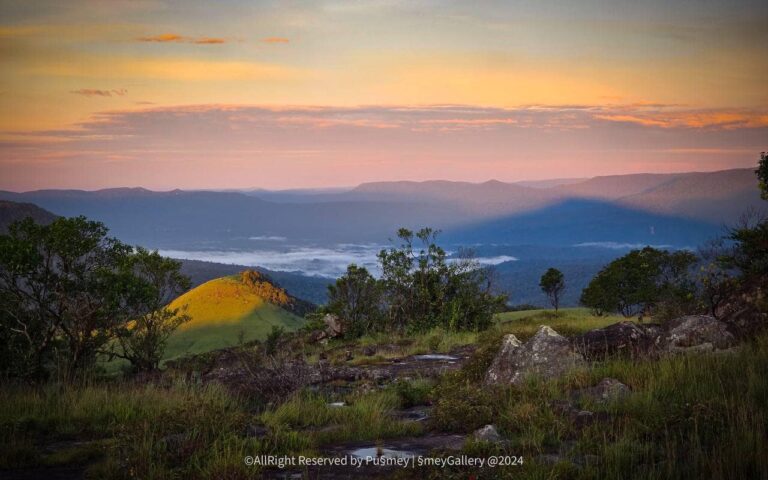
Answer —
356 299
143 337
750 253
638 281
412 279
552 283
422 289
715 282
762 175
750 239
67 291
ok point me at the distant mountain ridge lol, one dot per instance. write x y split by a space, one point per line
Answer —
688 205
13 211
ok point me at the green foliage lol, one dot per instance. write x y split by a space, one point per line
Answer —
639 281
715 282
413 392
750 253
423 289
552 283
68 292
364 417
762 175
356 297
142 340
273 339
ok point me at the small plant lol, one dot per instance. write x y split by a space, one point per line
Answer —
413 393
273 339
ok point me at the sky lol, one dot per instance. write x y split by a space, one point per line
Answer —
292 94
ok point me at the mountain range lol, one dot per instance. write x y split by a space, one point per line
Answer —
680 209
576 225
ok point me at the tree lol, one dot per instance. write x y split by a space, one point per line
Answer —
412 279
356 299
552 283
424 289
715 282
143 337
67 291
750 253
638 281
762 175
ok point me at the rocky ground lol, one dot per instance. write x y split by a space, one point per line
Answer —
547 355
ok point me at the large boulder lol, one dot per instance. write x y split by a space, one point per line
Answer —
695 333
547 354
620 339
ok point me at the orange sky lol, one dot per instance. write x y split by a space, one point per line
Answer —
323 93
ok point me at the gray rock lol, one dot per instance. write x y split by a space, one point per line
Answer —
620 339
607 390
334 327
547 354
696 333
487 433
499 369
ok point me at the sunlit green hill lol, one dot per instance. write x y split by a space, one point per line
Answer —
228 310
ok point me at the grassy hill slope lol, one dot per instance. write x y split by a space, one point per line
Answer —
227 310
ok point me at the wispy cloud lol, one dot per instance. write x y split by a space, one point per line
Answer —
275 40
724 119
94 92
176 38
208 41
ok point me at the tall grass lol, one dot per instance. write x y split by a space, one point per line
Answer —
363 417
688 417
